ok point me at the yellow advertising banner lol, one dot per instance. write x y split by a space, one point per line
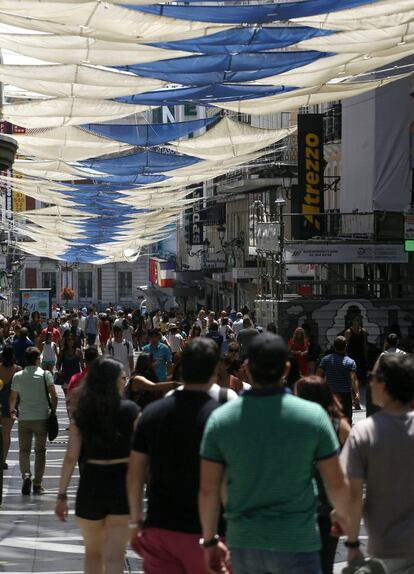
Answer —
19 202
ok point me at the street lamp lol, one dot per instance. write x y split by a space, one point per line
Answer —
221 230
270 248
4 245
280 203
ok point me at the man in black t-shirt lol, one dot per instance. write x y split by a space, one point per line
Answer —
166 448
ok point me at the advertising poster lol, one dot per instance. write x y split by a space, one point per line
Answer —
308 198
36 300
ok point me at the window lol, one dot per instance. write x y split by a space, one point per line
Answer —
125 284
49 282
85 284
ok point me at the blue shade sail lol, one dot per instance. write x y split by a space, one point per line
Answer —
142 162
250 14
218 68
244 40
86 255
149 134
204 95
128 181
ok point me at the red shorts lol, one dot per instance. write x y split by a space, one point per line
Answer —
168 551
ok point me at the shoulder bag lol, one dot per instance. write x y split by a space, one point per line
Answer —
52 420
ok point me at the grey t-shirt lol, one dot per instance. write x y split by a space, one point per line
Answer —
380 451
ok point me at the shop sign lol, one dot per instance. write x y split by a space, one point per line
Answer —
245 273
309 198
347 253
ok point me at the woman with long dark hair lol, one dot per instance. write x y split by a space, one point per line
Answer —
7 369
315 389
298 345
70 361
143 386
102 428
195 331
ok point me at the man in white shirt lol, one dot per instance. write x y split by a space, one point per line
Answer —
91 326
238 323
174 338
122 350
118 322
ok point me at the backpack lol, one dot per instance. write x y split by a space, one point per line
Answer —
111 347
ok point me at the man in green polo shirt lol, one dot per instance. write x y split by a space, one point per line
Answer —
30 386
266 444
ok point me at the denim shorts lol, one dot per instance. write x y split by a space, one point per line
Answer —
256 561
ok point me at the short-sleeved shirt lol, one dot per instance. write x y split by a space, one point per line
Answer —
337 368
91 324
162 357
30 384
123 430
20 345
379 451
269 441
169 431
75 381
54 332
121 351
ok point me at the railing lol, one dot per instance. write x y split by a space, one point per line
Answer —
335 225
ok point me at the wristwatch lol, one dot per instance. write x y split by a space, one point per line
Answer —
355 544
209 543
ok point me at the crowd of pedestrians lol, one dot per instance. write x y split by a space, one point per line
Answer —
221 448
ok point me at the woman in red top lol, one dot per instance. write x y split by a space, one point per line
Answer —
298 345
104 331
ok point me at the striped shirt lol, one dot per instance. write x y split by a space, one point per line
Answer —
337 368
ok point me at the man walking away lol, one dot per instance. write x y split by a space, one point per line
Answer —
91 326
378 458
29 386
339 370
245 336
122 350
265 445
166 449
20 343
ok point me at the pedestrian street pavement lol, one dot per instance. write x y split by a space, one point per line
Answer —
31 537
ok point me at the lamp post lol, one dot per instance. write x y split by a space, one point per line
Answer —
270 249
13 265
280 205
236 244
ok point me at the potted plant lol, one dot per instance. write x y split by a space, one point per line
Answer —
67 294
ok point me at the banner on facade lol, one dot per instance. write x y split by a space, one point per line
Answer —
196 226
347 253
308 197
19 202
162 272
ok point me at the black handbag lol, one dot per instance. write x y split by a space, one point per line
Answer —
52 420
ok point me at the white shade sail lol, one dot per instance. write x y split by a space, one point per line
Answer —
74 49
58 68
68 144
229 138
82 81
57 112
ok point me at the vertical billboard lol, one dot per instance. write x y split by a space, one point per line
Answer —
36 300
308 199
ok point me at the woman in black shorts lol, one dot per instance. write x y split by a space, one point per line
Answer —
102 428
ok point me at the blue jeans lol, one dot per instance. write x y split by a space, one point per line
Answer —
254 561
91 337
